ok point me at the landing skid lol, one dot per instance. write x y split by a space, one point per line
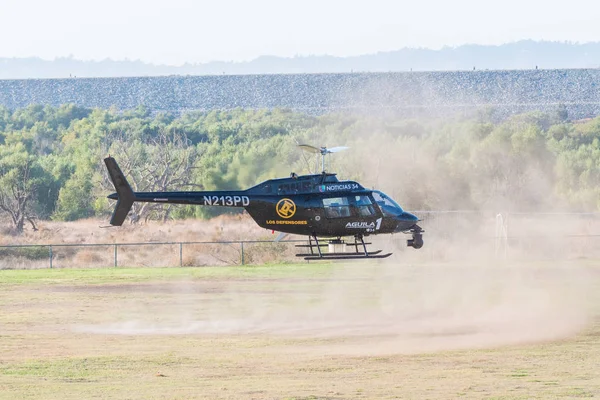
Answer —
346 256
323 245
317 254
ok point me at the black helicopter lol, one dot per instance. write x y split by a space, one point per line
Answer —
317 205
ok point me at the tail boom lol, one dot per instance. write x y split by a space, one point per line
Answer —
125 196
217 198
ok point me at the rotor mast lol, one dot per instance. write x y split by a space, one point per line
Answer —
323 151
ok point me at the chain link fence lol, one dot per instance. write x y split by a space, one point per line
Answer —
449 235
147 254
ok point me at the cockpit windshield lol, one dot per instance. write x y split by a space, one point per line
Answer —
387 205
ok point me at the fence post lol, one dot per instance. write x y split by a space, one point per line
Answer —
242 244
115 256
180 254
50 255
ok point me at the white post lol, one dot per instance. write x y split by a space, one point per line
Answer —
501 238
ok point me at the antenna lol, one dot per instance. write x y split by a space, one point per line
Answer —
322 150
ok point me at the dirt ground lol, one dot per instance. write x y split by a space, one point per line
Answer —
328 331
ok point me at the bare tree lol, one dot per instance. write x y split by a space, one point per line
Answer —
17 185
162 163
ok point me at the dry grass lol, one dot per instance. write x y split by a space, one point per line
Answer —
224 228
305 332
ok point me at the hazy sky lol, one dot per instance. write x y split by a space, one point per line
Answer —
178 31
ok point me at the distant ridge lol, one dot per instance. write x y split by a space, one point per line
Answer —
403 93
526 54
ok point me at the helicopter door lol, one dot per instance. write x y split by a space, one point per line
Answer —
368 216
337 212
365 207
337 207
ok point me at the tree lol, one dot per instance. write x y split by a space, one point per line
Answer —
75 199
20 176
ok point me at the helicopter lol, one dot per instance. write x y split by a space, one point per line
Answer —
314 205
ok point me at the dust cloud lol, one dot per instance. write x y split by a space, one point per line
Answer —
373 309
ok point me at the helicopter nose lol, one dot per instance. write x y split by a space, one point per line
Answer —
406 221
409 217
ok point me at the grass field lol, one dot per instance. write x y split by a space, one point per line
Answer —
310 331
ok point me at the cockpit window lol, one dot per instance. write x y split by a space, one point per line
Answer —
364 206
387 205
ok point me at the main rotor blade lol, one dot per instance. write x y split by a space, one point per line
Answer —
309 148
336 149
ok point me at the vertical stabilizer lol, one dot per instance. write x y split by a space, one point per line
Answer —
125 196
